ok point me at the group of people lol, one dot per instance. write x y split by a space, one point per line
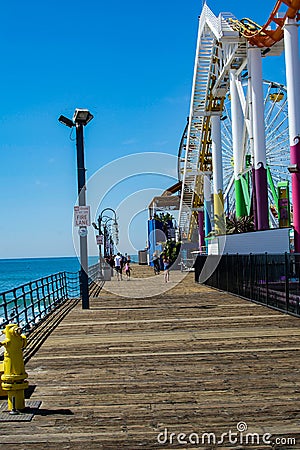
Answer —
121 264
156 259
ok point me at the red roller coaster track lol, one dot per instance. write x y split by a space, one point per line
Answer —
264 36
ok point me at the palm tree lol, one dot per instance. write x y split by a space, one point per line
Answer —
165 218
233 225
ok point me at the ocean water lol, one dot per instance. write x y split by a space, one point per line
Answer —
15 272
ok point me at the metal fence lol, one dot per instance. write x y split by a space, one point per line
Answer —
94 273
28 304
31 302
269 279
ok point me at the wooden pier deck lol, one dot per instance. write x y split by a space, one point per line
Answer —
189 360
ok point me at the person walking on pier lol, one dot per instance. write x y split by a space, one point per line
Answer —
166 263
118 266
127 269
156 262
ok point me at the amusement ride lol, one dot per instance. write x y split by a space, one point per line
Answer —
241 146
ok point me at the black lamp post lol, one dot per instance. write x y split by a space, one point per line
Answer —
107 235
115 224
111 246
98 228
102 224
80 119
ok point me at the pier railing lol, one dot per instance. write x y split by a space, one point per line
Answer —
30 303
269 279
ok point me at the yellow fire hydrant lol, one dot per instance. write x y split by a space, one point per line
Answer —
14 375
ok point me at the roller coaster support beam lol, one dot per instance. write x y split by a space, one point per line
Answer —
259 140
207 202
201 229
237 119
291 43
216 147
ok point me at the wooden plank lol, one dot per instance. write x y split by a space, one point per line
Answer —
191 359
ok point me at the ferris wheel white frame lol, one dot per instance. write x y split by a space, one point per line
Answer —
277 142
222 57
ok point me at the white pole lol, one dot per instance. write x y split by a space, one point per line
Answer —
216 147
259 140
207 202
291 43
292 64
237 119
216 153
257 96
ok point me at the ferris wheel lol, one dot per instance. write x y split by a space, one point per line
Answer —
277 146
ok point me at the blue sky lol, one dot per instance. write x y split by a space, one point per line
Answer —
131 64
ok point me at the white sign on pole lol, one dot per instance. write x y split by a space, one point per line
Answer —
82 216
99 239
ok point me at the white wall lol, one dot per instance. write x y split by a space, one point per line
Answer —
270 241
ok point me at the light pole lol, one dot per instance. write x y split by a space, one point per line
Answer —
111 246
107 234
115 224
100 234
80 119
104 233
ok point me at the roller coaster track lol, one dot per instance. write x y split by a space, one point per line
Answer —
218 47
221 46
264 36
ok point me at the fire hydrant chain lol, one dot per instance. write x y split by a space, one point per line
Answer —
14 375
